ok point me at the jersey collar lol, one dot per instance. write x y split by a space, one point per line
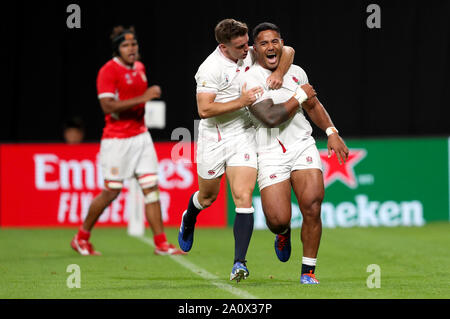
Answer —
117 60
230 62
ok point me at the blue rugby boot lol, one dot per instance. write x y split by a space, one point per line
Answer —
239 271
308 279
185 235
283 246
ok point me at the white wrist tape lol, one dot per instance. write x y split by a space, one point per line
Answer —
300 95
331 130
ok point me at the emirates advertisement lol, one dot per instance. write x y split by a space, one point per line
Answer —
53 185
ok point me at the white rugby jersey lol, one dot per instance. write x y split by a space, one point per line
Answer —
219 75
291 132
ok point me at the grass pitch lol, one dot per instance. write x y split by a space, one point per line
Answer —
414 263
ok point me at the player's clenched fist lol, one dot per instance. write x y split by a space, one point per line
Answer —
249 97
309 90
152 92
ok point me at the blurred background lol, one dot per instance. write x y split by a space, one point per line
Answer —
388 81
383 79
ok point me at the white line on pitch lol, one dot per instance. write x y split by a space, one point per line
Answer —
203 273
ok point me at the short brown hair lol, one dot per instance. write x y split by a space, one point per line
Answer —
228 29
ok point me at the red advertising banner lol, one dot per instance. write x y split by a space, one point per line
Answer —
53 185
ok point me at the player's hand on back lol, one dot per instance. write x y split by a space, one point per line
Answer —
248 97
152 92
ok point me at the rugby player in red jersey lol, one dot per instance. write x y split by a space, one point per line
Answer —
126 148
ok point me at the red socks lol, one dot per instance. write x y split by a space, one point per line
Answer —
83 234
159 239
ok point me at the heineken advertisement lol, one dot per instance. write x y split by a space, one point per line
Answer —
385 182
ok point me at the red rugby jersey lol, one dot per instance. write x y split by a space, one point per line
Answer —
122 82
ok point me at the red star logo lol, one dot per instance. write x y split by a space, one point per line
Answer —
345 172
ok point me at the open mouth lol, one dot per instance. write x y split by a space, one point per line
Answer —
271 58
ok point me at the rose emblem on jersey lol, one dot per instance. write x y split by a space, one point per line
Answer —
247 68
247 156
309 159
296 80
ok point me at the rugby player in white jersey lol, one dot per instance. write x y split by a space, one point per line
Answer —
287 154
226 141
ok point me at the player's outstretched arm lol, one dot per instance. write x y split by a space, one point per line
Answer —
320 117
275 80
208 108
272 115
110 105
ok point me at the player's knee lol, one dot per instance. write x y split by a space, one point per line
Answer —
112 189
277 224
311 208
151 196
243 198
149 186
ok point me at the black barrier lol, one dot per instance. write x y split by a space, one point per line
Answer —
376 75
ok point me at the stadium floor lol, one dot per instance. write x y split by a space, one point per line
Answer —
414 263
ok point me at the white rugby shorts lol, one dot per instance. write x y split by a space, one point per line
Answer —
215 152
123 158
275 167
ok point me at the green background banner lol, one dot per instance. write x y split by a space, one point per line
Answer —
386 182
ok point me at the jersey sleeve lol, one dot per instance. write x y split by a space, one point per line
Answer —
208 79
302 76
106 83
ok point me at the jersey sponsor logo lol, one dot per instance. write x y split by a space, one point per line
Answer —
211 172
273 176
345 173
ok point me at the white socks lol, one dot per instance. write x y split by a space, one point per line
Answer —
196 202
309 261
